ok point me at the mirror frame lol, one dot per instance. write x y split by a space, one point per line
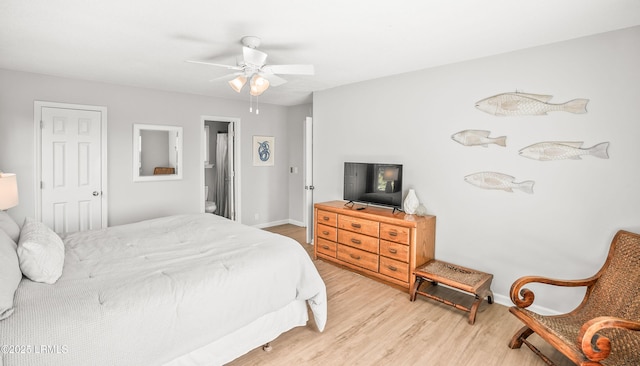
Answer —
137 127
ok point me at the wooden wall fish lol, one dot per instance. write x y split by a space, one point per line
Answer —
494 180
545 151
478 138
523 104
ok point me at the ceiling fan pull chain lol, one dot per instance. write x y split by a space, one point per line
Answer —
250 103
257 104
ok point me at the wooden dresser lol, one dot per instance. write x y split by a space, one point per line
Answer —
374 241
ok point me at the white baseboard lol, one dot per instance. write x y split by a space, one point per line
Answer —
279 222
506 301
297 223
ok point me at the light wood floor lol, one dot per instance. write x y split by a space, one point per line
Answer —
370 323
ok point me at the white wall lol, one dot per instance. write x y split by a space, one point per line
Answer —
267 187
264 189
564 229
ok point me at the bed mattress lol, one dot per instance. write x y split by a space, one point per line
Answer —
149 292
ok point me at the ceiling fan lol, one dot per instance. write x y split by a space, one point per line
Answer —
253 67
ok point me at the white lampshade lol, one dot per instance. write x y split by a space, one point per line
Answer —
8 191
390 174
237 83
258 85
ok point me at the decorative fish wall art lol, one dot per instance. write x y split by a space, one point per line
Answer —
478 138
522 104
546 151
493 180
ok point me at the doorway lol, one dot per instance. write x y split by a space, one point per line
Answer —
71 166
220 169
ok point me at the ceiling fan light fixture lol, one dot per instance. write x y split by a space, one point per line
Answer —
237 83
258 85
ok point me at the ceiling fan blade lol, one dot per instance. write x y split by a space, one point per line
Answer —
253 56
226 77
288 69
274 80
214 64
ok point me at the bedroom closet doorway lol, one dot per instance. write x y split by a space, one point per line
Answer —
71 166
220 193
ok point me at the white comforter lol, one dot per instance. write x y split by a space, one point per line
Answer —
145 293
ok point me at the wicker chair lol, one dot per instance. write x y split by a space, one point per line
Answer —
605 328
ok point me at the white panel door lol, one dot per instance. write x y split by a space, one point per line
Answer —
308 177
71 168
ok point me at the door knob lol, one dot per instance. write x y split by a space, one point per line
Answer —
96 193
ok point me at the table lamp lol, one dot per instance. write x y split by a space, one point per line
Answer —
8 191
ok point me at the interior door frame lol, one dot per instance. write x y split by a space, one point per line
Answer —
234 132
37 123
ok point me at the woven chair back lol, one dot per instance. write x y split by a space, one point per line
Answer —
617 292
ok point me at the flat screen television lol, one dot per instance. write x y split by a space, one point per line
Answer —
373 183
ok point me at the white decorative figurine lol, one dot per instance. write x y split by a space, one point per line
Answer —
411 202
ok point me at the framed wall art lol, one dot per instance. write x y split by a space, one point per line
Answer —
263 150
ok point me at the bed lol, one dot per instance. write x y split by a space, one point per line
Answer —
180 290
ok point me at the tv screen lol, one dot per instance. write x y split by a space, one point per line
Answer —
379 184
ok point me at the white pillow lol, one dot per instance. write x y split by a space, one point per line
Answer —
9 226
9 273
41 252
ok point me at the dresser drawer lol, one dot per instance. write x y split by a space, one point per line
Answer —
358 257
393 268
359 241
394 250
395 233
327 232
327 247
358 225
327 218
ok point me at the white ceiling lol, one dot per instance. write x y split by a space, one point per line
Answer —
145 42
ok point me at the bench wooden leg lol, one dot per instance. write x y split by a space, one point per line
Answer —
414 290
474 309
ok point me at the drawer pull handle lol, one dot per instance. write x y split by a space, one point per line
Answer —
357 226
326 218
325 233
355 256
325 247
392 268
393 233
392 251
356 241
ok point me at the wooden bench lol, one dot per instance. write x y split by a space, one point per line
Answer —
461 278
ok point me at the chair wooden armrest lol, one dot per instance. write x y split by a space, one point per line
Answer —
595 346
523 297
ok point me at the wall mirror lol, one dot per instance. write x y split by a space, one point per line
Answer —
157 152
